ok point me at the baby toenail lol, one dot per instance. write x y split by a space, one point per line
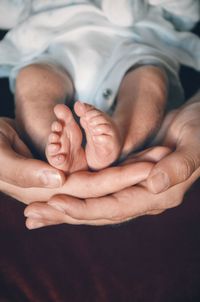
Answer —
56 127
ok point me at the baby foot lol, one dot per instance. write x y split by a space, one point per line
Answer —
64 150
103 140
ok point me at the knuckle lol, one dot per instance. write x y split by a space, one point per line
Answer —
185 167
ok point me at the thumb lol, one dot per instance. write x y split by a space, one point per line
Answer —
175 168
25 172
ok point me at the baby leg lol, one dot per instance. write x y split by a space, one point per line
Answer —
39 87
103 140
140 105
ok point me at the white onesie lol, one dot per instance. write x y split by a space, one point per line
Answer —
98 41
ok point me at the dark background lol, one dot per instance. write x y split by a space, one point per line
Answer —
151 259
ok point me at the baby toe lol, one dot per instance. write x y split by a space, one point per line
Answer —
63 114
79 108
56 126
52 149
53 138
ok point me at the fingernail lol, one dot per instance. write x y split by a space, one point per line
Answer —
51 179
33 215
159 182
34 225
57 206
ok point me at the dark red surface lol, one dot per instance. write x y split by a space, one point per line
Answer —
151 259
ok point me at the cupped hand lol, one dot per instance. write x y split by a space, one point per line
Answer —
99 210
29 180
181 168
18 168
119 207
180 132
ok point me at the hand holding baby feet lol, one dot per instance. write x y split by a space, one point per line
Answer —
64 150
103 139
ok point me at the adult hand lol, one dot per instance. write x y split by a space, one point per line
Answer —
181 131
125 177
17 165
22 177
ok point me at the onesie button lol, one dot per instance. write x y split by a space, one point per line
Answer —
107 93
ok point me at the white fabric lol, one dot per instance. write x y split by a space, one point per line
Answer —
98 41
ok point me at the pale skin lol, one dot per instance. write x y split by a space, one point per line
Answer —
130 173
32 173
181 167
185 158
49 126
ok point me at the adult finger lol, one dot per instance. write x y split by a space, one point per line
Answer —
82 184
40 214
127 204
113 209
97 184
121 206
177 167
152 154
51 217
107 181
25 172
